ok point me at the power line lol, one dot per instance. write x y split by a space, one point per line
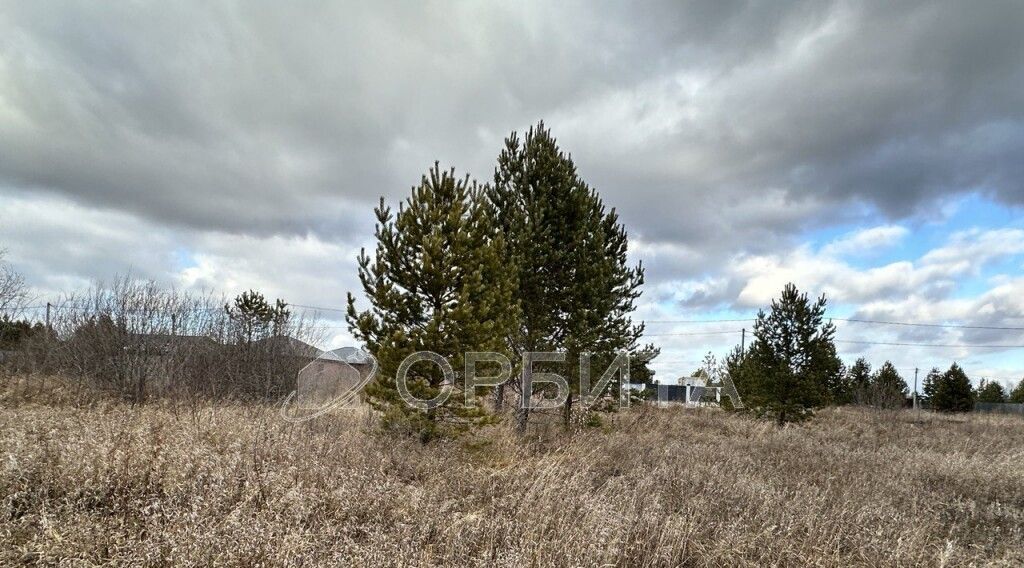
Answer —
693 333
957 345
854 320
701 321
942 325
320 308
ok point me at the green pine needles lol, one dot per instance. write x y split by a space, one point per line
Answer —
575 287
534 262
437 282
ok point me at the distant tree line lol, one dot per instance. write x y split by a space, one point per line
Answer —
792 368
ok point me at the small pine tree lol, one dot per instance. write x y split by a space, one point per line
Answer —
840 388
437 283
255 318
13 332
953 391
1017 394
991 391
859 377
793 358
931 383
888 389
737 367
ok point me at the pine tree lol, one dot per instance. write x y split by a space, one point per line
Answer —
13 332
437 283
1017 394
574 285
953 391
255 318
860 381
991 391
931 383
793 358
840 389
737 367
888 389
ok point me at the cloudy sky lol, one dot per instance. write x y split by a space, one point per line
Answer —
871 151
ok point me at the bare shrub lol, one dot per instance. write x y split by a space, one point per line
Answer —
14 292
137 339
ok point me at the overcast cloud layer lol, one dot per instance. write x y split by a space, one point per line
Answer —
236 144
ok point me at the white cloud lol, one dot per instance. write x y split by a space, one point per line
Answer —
61 246
866 241
933 276
969 250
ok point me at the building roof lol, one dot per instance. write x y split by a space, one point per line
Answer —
349 355
290 346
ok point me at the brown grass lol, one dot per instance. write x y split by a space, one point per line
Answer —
109 483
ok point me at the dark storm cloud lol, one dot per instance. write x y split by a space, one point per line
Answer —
888 105
252 118
714 126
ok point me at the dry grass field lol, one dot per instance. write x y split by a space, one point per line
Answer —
161 484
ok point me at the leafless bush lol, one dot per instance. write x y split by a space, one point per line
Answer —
879 397
140 340
13 291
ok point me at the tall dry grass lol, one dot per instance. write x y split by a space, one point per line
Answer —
162 484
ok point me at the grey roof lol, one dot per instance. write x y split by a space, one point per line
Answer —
292 346
349 355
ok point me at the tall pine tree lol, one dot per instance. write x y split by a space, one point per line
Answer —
888 389
931 383
953 391
574 284
792 360
437 282
991 391
1017 394
860 381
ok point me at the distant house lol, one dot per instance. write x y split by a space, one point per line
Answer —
332 375
289 346
166 360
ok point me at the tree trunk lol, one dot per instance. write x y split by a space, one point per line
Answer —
499 398
140 387
526 389
567 413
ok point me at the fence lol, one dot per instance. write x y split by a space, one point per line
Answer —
686 394
999 407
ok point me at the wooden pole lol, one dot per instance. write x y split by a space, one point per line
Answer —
915 387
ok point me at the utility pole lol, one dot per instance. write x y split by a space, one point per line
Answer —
48 305
743 341
915 388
